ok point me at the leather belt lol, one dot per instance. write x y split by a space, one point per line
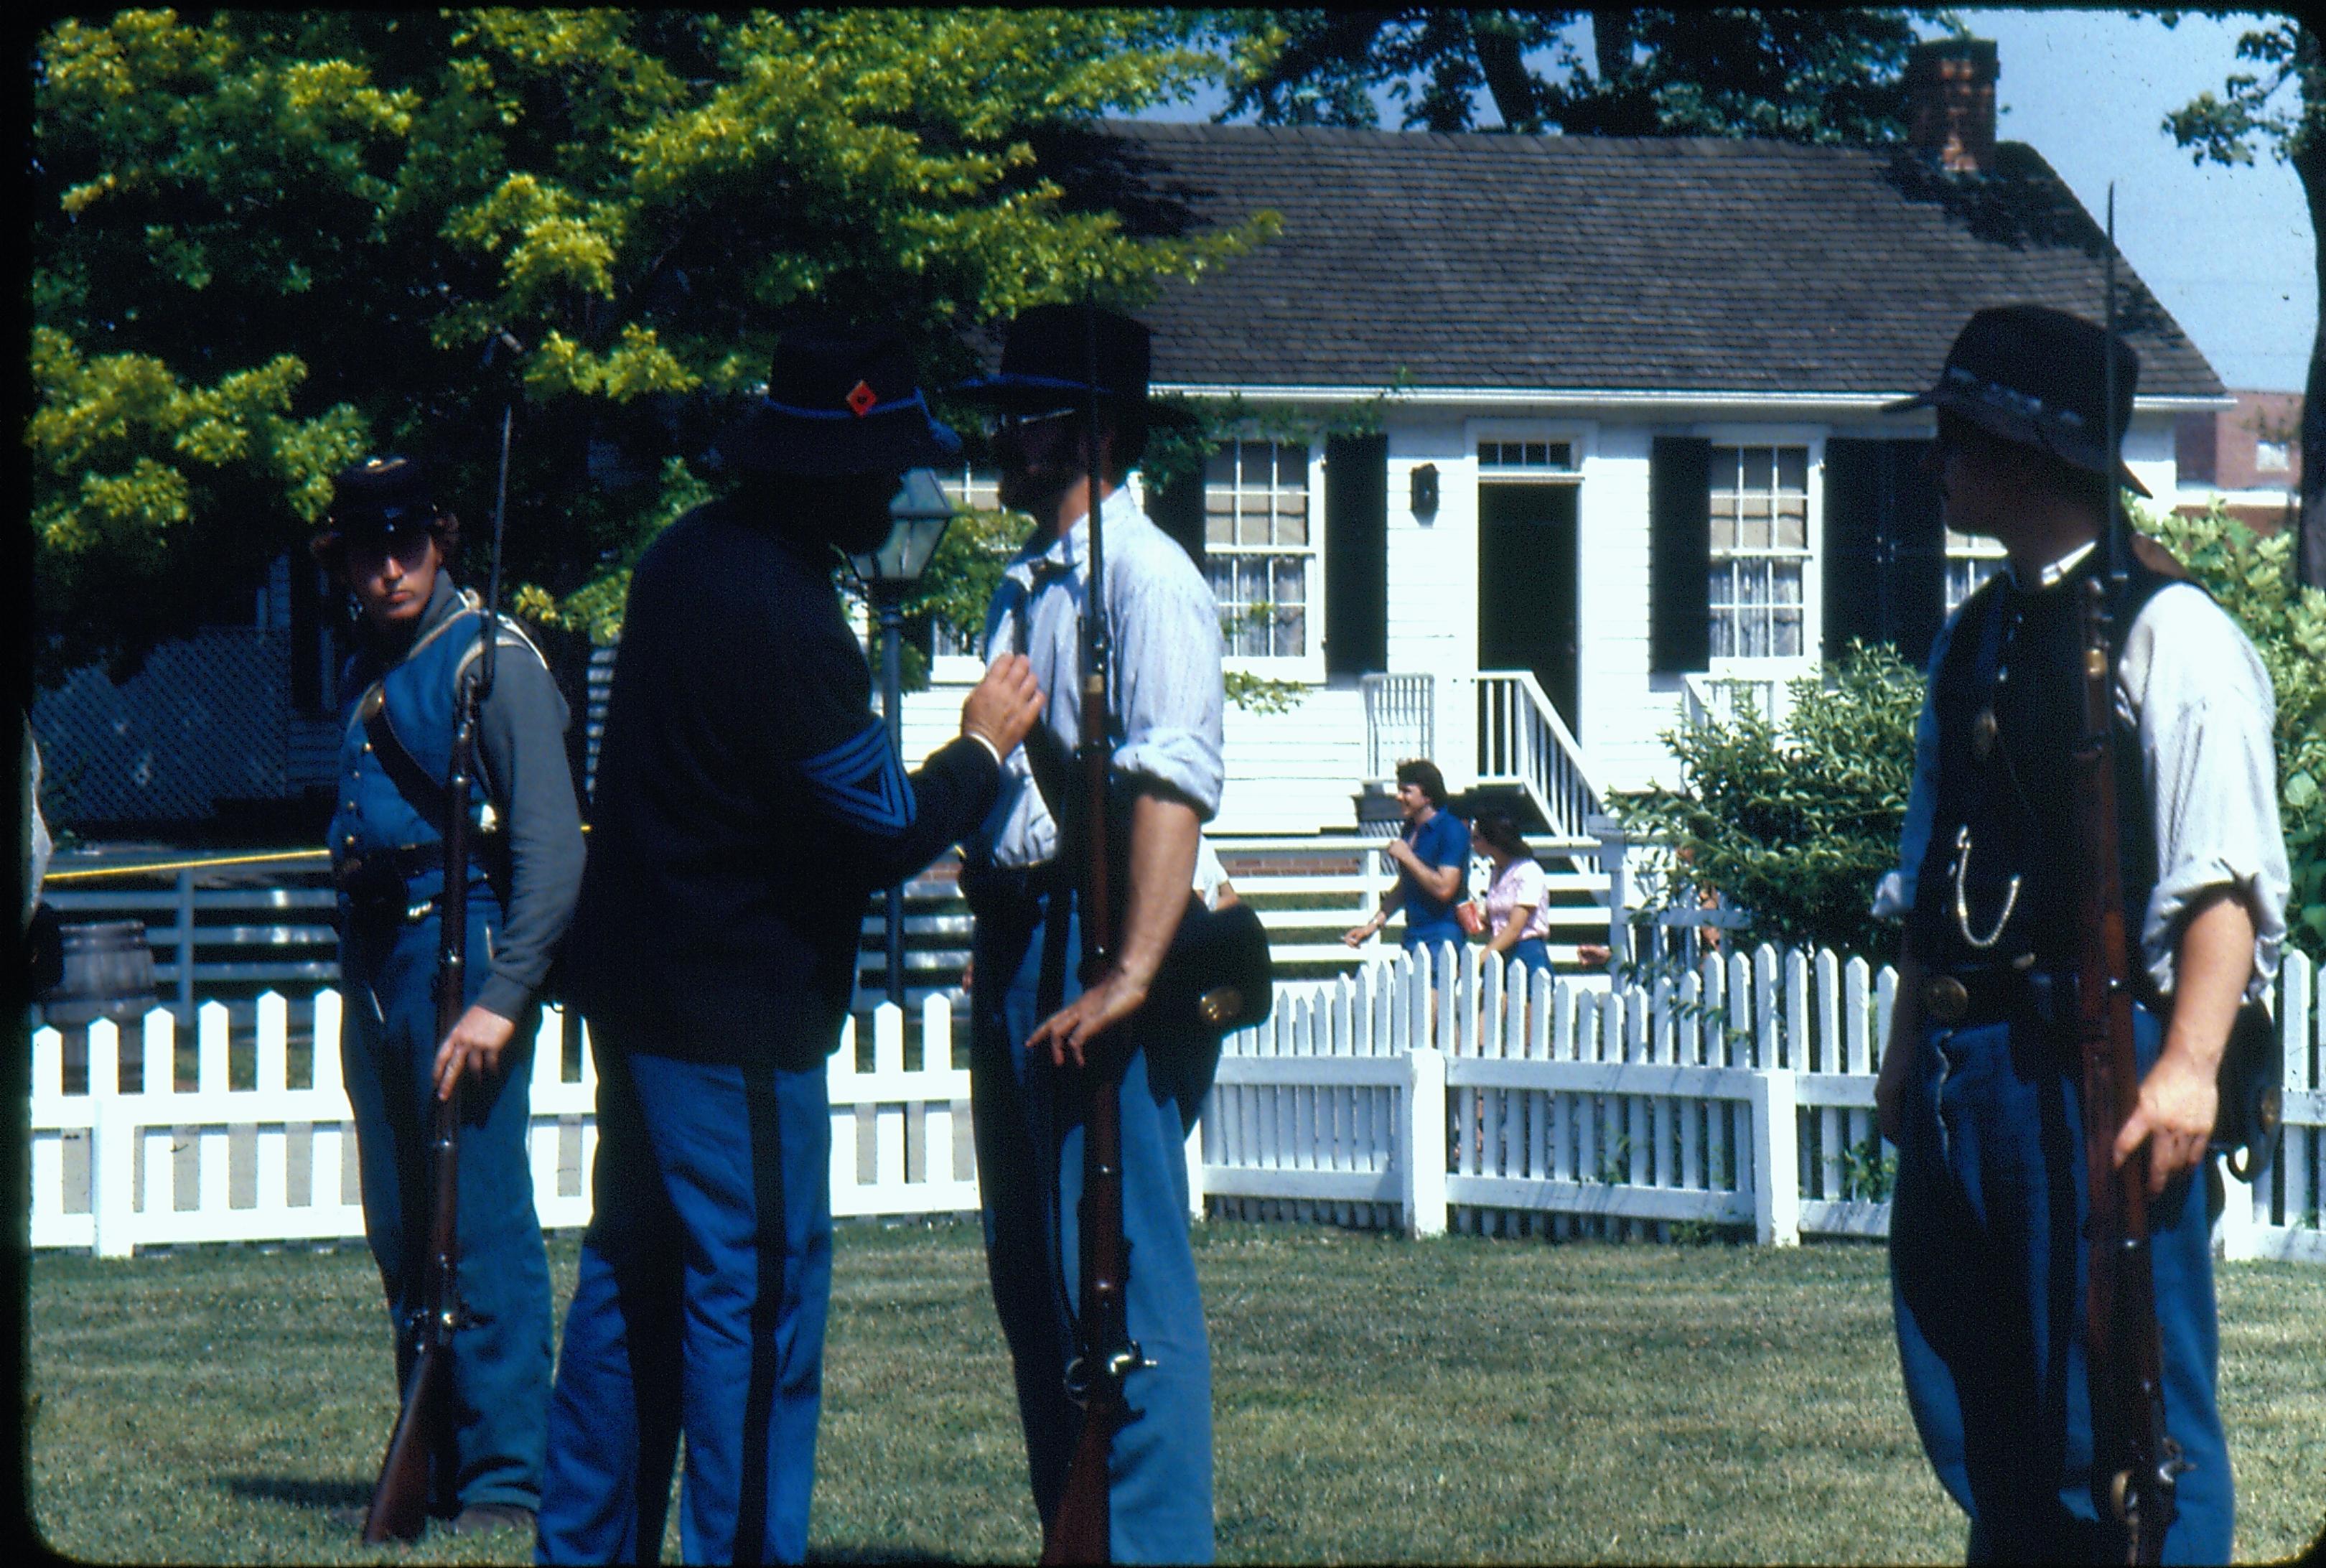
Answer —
1971 998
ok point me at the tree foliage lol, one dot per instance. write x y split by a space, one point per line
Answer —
1802 76
267 242
2280 105
1794 824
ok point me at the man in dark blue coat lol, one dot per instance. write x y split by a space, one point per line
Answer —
420 638
748 804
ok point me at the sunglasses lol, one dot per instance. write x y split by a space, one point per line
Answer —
1015 422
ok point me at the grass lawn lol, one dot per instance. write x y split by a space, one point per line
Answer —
1376 1399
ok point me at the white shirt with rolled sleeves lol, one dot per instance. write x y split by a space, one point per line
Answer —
2205 713
1164 689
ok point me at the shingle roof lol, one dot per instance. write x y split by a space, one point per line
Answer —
1603 263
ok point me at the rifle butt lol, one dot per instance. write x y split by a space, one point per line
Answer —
1082 1529
399 1501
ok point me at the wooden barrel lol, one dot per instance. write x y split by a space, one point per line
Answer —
108 974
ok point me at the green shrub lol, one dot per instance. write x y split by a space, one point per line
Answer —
1793 826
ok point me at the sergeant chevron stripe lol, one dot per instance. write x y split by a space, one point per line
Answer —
862 782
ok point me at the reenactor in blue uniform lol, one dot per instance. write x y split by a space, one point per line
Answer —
1031 1011
420 638
747 805
1982 1086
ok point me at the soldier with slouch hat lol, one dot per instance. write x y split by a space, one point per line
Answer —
419 640
1032 1009
1982 1086
748 804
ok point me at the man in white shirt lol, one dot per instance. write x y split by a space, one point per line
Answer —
1035 1017
1981 1089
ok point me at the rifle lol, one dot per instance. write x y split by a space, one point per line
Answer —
2136 1463
399 1501
1080 1530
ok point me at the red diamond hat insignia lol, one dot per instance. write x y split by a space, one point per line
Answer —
861 399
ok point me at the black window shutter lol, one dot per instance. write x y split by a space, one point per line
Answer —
1679 554
1356 554
1176 506
1885 548
1918 552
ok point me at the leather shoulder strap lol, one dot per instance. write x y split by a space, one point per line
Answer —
425 794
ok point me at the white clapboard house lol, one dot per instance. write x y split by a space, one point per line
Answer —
1627 432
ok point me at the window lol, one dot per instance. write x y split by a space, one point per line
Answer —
1545 456
1760 548
975 489
2274 456
1258 547
1972 560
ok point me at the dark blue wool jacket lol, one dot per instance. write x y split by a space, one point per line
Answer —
747 803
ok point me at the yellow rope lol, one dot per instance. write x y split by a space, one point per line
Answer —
92 873
280 855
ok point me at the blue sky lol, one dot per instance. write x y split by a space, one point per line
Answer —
2228 251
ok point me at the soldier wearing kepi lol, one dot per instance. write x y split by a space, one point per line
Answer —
748 804
1982 1087
420 641
1031 1014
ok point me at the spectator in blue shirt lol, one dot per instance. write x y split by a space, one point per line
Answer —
1433 863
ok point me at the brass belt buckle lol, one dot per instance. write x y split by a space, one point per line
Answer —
1945 999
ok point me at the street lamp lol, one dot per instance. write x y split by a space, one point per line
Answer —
920 512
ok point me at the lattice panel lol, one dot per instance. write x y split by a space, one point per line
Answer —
204 720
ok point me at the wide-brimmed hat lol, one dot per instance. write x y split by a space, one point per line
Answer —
840 402
1064 357
377 498
2034 376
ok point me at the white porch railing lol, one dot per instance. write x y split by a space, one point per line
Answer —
1497 727
1738 1093
1400 721
1522 741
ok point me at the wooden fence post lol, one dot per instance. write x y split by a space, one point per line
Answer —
1421 1143
1776 1158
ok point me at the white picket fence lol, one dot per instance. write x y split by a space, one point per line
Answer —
157 1165
1739 1095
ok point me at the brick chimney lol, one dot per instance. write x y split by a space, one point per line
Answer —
1950 103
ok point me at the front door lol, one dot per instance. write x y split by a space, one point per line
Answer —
1527 616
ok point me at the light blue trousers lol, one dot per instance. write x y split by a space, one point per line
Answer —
1029 1165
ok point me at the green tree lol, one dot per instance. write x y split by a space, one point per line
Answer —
1794 824
1802 76
2281 105
266 243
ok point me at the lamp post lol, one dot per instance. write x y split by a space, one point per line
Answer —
920 513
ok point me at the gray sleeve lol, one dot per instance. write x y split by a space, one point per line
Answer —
1171 700
2206 713
527 776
